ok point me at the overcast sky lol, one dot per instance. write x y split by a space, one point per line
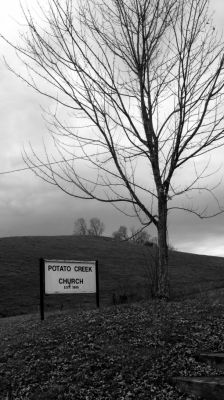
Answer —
29 206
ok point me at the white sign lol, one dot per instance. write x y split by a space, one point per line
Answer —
69 276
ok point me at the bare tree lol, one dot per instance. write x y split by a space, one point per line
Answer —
142 81
139 236
96 227
80 227
121 233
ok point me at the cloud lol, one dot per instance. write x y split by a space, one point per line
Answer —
217 7
191 234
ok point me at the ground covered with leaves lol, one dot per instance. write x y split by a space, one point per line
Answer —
121 352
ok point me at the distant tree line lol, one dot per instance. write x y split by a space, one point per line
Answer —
95 227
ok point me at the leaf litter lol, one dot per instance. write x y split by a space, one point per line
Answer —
126 352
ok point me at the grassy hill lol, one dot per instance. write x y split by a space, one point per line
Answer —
124 270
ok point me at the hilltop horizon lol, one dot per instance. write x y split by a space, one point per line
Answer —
125 271
106 237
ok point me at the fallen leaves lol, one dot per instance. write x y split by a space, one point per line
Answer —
125 353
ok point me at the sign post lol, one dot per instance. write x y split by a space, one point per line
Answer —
68 277
41 289
97 285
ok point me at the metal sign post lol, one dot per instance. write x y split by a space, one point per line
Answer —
97 286
42 284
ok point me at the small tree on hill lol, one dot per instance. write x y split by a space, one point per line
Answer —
121 233
96 227
139 236
80 227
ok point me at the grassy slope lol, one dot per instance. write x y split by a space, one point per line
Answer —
122 266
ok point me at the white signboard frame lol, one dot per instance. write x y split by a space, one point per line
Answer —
67 277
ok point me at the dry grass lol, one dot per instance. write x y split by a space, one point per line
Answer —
126 352
122 266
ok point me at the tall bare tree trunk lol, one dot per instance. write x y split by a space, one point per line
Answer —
163 279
